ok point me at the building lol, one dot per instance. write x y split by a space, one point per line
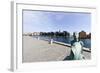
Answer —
89 36
82 35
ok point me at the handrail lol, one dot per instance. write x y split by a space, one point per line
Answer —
69 45
65 44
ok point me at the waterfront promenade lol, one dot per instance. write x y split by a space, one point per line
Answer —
35 50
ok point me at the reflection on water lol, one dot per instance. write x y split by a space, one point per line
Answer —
87 42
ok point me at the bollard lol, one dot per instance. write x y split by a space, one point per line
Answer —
37 38
51 41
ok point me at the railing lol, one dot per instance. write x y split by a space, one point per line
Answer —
65 44
61 43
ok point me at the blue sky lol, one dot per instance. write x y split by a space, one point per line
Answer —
46 21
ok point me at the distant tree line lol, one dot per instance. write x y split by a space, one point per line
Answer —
64 33
82 34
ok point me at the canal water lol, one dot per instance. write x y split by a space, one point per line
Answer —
87 42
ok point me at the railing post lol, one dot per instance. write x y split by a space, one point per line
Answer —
37 38
51 41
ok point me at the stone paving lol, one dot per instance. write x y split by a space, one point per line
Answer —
39 50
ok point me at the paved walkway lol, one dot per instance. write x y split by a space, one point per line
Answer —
39 50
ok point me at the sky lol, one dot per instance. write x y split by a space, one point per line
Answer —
49 21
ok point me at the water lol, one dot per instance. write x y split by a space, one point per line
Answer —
87 42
